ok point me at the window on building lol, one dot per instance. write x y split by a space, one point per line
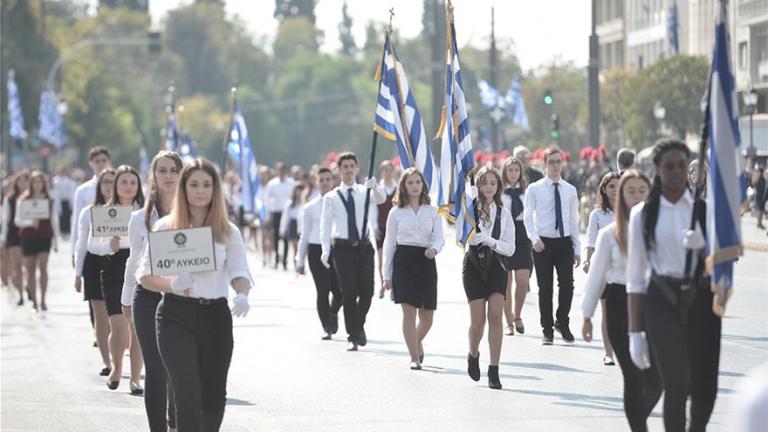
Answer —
743 55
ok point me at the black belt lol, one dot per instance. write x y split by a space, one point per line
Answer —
340 241
196 300
679 292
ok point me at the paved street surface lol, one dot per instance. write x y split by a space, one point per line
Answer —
284 378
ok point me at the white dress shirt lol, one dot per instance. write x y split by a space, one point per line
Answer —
333 218
81 247
277 193
423 228
505 245
598 219
231 263
667 257
6 220
84 196
101 245
308 222
137 239
539 211
608 266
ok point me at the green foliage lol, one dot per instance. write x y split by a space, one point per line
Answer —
346 38
287 9
295 36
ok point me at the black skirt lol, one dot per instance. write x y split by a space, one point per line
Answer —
475 287
112 278
522 259
92 277
12 236
34 246
292 233
414 278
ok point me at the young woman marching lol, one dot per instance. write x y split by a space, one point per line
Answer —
10 234
289 222
37 238
521 262
675 307
606 281
194 323
414 235
484 276
126 192
139 304
599 218
88 267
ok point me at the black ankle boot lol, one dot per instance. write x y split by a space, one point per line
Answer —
493 377
473 367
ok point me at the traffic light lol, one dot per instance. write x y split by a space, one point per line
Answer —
548 99
555 132
155 42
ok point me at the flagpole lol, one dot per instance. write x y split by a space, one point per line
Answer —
232 108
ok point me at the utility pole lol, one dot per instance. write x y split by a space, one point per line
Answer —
493 64
594 86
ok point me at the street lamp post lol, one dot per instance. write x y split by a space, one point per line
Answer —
750 101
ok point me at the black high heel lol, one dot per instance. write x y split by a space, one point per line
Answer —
493 378
473 367
113 385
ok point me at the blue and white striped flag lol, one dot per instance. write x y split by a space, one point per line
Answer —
51 125
489 96
726 184
171 132
456 156
239 148
187 149
673 41
398 117
15 117
516 105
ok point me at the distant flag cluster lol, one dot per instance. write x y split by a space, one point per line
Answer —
511 104
15 117
171 132
673 41
240 150
187 149
51 124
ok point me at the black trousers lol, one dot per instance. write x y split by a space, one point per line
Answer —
65 217
354 270
642 389
325 282
158 396
557 255
276 217
688 356
195 342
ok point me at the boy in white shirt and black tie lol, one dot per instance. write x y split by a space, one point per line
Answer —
551 219
343 226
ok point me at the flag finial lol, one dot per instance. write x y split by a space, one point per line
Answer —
391 15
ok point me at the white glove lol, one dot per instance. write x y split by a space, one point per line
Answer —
371 183
638 350
490 242
694 240
471 192
324 260
481 237
182 282
240 305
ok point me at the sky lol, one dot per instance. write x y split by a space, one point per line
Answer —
539 31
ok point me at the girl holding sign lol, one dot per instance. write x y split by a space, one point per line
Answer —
140 304
37 235
10 234
126 192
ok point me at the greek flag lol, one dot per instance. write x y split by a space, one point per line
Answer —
171 133
489 96
672 27
15 117
516 105
239 148
726 184
187 149
398 117
456 156
51 125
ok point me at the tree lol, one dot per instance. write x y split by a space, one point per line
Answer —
613 100
346 38
286 9
295 36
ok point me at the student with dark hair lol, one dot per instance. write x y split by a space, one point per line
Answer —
625 159
99 160
343 226
276 194
10 234
289 222
388 183
674 305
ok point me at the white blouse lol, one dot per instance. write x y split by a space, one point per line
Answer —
608 266
598 219
308 223
81 245
231 263
505 245
137 238
289 212
423 228
100 245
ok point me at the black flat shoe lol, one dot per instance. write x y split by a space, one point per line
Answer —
351 346
106 371
493 378
326 336
136 389
20 302
473 367
113 385
363 339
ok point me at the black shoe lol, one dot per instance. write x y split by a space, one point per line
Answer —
415 366
549 337
106 371
334 327
95 344
473 367
565 332
326 336
362 340
351 346
112 385
20 302
493 378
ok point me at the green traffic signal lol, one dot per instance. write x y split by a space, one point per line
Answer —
555 135
548 100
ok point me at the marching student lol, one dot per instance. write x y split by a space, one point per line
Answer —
88 268
63 193
414 236
325 279
37 237
551 216
10 234
673 307
114 251
99 160
389 185
194 322
521 262
341 226
140 304
289 223
276 194
600 217
484 272
606 282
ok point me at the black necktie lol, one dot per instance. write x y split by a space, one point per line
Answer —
353 234
558 212
516 204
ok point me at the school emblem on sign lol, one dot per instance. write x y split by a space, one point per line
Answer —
180 239
112 213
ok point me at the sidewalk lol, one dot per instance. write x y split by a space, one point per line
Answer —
752 237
